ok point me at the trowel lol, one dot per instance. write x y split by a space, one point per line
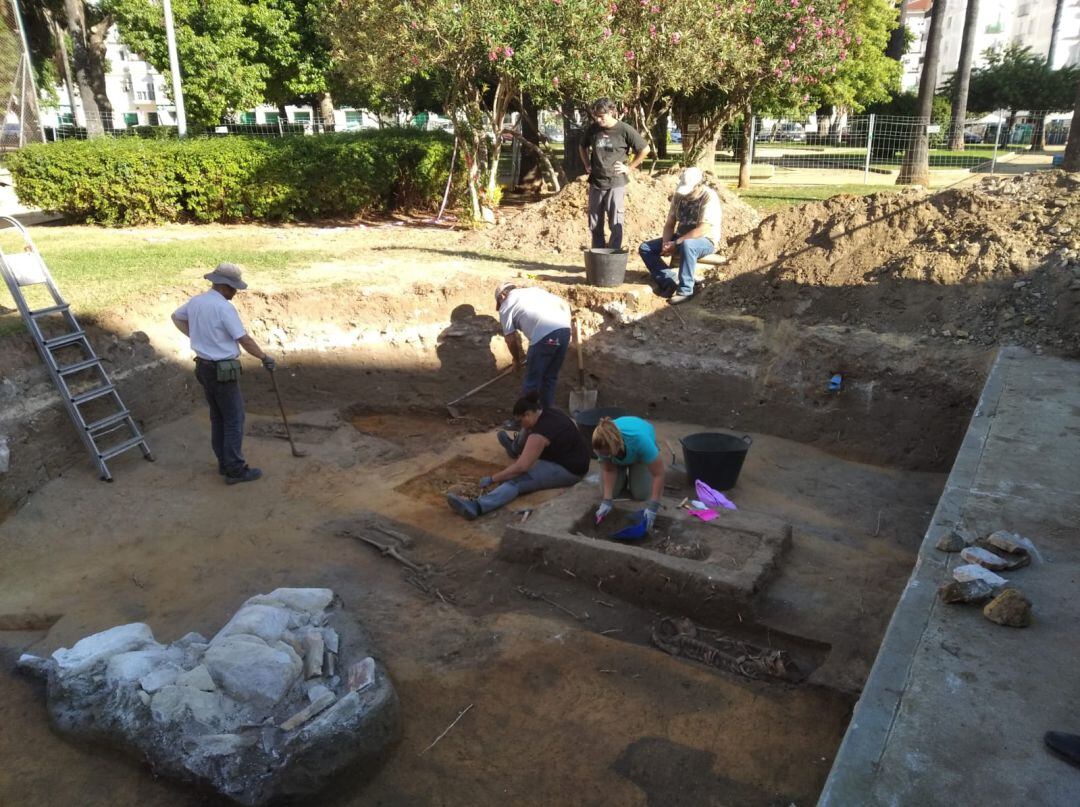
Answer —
581 398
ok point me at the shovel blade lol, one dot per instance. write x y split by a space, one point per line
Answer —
580 400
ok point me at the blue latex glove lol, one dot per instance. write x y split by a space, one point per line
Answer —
269 363
652 507
486 482
603 510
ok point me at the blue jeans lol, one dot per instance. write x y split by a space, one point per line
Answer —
542 476
543 362
226 417
689 252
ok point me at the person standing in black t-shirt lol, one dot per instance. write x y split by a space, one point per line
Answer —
554 456
609 150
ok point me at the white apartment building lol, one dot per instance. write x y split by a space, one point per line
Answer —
1000 22
140 96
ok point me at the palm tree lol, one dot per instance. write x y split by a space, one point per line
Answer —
963 76
915 170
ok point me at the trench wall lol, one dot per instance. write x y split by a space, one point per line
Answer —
904 403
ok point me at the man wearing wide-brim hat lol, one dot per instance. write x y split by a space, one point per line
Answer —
210 321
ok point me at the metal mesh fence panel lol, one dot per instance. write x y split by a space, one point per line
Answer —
19 120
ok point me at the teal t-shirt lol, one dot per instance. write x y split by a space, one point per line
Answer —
640 439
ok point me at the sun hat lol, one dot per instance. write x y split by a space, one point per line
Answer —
689 180
502 289
227 274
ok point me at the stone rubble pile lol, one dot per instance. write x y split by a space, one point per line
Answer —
976 581
285 696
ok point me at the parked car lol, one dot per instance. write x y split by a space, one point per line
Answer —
972 137
676 136
790 132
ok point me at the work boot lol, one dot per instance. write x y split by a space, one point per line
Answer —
467 508
247 475
1066 746
507 442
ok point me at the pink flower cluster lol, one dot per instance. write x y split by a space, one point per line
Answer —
505 51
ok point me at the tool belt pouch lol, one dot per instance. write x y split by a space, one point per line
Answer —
229 370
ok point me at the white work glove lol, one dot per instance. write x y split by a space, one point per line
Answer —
603 510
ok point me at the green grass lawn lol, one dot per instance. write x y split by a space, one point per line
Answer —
97 269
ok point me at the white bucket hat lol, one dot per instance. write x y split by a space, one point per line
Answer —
227 274
689 180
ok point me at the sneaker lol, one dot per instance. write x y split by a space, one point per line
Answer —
676 299
507 442
467 508
247 475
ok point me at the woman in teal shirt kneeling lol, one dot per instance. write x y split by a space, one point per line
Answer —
630 461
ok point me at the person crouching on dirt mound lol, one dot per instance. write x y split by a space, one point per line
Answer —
554 456
630 461
217 334
692 230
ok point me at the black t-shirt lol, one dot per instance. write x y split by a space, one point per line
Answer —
609 146
565 447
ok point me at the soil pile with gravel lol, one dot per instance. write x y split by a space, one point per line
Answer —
994 263
559 223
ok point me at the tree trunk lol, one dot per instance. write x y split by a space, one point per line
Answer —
64 65
531 171
963 78
571 164
1052 52
1072 147
746 143
660 136
1038 132
326 111
88 54
915 170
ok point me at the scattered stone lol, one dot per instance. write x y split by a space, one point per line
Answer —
985 558
973 591
207 713
973 571
309 711
198 678
951 541
313 654
1010 608
1011 542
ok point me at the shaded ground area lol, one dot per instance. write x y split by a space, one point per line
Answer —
611 717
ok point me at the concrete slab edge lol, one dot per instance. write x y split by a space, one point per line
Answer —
852 775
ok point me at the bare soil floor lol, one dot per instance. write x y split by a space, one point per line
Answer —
564 710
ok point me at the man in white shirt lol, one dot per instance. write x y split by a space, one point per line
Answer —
692 230
217 334
545 321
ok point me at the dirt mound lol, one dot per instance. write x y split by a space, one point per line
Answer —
998 262
559 223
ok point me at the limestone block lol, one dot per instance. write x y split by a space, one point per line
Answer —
222 745
252 671
134 665
308 600
198 678
268 622
1010 608
173 704
100 647
161 677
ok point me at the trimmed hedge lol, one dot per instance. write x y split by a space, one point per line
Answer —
131 181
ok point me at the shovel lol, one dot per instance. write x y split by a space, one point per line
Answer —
288 433
456 413
581 398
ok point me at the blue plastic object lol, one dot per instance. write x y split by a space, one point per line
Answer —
835 383
635 531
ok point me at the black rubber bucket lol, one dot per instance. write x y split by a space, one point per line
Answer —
715 458
605 267
588 418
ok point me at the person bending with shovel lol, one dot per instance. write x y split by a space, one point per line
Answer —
210 321
554 456
630 462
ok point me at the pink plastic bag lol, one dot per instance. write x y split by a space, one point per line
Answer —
705 515
713 498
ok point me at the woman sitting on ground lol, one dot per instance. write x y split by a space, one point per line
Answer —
554 456
630 461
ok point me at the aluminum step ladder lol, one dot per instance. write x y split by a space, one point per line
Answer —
103 422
